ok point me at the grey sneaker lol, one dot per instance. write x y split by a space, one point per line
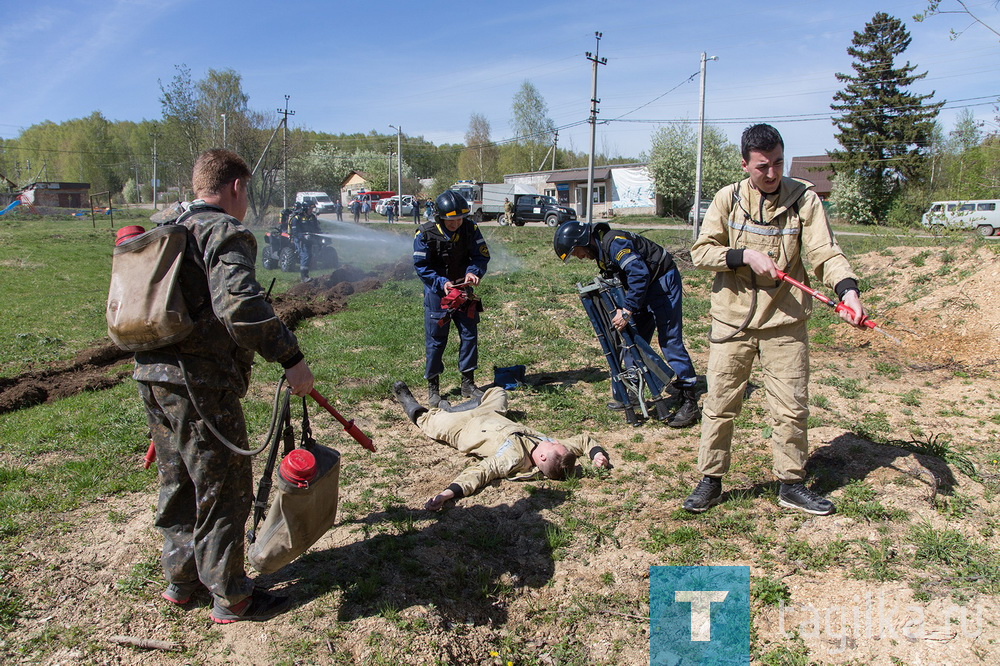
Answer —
706 494
797 496
180 593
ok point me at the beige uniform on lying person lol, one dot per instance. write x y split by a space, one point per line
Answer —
504 446
787 226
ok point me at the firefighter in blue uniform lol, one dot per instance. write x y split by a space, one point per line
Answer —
447 251
652 287
302 223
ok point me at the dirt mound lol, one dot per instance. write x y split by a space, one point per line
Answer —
95 368
941 303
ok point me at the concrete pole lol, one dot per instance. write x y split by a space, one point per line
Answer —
597 60
154 173
696 228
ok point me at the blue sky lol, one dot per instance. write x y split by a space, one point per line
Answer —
426 66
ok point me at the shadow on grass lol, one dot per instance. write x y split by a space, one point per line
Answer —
465 564
849 457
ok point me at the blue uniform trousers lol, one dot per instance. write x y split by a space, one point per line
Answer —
436 337
663 311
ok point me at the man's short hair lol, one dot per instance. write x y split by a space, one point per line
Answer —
560 465
761 138
215 168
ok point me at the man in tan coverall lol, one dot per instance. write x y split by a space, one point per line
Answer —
506 449
754 228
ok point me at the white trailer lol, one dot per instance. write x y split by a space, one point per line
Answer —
486 200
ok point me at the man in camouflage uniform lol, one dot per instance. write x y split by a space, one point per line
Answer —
506 449
192 392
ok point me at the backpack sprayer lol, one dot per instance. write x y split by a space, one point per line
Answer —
837 307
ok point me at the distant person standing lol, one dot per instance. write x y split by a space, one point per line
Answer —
508 210
338 208
366 206
390 211
356 211
416 211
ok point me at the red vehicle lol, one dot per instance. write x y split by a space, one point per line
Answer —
373 197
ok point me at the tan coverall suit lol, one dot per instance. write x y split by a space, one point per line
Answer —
503 445
788 226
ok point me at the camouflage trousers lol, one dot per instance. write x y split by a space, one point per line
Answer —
206 490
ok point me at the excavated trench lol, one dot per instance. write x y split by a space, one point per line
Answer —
104 364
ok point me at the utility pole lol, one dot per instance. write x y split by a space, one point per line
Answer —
284 152
696 228
224 146
138 187
555 147
399 164
388 170
597 60
154 172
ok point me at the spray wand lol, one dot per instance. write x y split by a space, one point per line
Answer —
349 427
837 307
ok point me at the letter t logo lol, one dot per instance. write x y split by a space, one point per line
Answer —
701 614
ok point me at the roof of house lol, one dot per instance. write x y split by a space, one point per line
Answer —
346 178
578 175
814 168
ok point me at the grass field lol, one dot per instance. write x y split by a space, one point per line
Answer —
69 472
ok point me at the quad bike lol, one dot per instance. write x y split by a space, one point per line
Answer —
279 251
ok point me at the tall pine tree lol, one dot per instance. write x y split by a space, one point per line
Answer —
884 129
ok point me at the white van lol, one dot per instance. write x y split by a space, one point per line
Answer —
983 215
321 200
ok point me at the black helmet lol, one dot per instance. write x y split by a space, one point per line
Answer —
570 234
450 204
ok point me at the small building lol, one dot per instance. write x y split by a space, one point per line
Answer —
354 182
817 170
619 189
58 195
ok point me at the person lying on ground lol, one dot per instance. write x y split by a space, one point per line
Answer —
506 449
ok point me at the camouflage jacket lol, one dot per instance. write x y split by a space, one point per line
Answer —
231 316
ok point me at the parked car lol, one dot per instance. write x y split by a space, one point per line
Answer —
405 209
981 215
321 201
537 208
704 209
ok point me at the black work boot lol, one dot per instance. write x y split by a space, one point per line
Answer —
687 413
434 392
469 388
706 494
304 275
410 405
472 403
